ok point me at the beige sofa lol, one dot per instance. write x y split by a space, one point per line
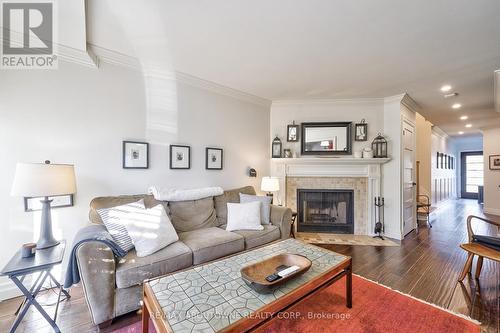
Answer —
114 286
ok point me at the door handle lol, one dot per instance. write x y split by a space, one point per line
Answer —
414 184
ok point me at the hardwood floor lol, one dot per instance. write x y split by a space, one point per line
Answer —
426 266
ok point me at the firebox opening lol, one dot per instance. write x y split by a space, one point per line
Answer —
325 211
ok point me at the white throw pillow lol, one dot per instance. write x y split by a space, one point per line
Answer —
243 216
265 208
151 230
115 219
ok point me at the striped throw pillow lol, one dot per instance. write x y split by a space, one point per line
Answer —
116 218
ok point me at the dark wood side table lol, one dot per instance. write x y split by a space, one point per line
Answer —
292 227
18 268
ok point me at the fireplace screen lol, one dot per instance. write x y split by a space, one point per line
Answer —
325 211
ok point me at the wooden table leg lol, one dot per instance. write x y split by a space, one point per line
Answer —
348 285
145 317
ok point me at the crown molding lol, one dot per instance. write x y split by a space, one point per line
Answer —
394 99
410 103
495 126
286 102
220 89
439 132
113 57
120 59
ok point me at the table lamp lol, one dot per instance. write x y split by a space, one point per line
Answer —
44 180
270 185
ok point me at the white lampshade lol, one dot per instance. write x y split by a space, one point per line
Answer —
43 180
270 184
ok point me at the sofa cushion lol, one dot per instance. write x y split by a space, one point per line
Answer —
192 215
211 243
254 238
108 202
265 207
232 196
132 270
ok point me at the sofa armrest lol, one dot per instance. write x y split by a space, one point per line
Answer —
97 267
282 218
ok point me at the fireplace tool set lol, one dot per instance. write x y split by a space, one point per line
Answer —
379 217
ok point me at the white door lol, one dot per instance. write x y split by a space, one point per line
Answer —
409 200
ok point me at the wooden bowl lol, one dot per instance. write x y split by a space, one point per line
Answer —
255 275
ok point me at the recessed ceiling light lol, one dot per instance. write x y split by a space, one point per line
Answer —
446 88
460 132
464 118
468 125
456 106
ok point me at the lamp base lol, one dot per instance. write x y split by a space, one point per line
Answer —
44 244
46 238
270 194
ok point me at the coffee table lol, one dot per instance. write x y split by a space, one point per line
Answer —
212 297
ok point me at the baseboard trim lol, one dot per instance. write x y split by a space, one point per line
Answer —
493 211
8 290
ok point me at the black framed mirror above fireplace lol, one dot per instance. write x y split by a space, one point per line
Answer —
333 138
325 210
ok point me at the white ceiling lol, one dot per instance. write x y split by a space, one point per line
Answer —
296 49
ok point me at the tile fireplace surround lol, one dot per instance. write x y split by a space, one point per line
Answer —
361 175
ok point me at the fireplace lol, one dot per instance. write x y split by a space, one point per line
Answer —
325 211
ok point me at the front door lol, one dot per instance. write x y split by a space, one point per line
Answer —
471 173
409 204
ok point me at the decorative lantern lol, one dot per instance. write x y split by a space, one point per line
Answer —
276 147
379 146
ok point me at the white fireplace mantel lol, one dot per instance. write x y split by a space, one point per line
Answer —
332 167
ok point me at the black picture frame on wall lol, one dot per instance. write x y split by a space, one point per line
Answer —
214 158
361 131
292 133
180 157
494 162
135 155
315 150
438 158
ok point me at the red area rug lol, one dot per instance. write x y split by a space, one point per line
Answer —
375 309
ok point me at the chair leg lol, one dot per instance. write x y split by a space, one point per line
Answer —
479 266
467 267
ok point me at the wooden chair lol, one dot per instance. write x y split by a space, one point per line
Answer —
474 248
424 207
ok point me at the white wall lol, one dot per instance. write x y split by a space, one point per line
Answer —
80 115
424 129
391 185
382 115
461 144
443 181
284 112
491 146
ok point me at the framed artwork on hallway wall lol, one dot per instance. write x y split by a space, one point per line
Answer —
494 162
135 155
180 157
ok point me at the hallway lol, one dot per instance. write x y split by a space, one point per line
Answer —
428 263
